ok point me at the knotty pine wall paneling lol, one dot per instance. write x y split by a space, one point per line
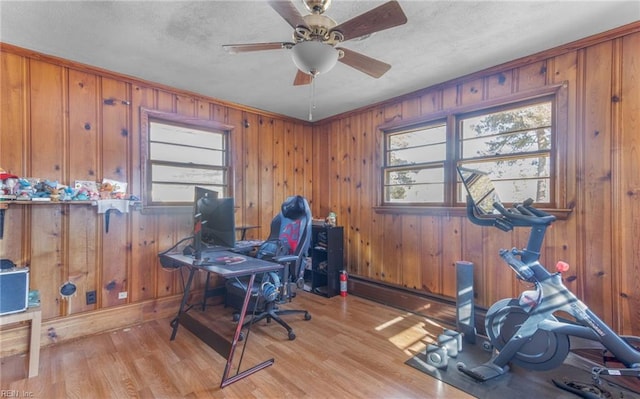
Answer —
83 226
65 121
115 244
145 282
293 154
342 157
13 146
598 151
596 190
46 143
252 203
266 162
297 163
280 150
563 242
626 201
321 180
354 239
237 141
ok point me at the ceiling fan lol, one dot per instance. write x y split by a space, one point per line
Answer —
316 36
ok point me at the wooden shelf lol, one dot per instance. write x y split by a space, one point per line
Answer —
5 204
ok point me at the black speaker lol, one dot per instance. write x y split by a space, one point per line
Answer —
14 290
465 307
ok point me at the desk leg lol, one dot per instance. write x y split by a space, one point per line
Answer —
176 322
206 289
226 380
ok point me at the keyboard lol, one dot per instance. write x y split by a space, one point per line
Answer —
246 246
215 248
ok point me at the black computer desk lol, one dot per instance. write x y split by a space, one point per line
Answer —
249 267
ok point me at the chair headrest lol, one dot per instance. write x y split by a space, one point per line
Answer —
294 207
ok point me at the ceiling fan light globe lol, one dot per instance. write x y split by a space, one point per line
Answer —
314 57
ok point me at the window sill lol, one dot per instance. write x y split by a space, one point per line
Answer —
560 214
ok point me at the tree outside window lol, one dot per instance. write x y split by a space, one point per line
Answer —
514 143
514 147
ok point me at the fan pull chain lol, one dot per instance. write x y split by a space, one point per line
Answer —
312 97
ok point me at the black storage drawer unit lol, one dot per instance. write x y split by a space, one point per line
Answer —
326 259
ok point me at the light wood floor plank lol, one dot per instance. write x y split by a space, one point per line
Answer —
351 348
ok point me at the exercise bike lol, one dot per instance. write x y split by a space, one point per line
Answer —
524 330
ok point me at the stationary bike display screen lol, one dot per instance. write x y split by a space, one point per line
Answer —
480 189
214 221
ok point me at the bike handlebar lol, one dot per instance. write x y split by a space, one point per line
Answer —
520 215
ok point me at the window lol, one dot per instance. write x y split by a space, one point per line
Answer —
179 153
514 147
514 142
414 159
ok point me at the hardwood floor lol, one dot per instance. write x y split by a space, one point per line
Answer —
351 348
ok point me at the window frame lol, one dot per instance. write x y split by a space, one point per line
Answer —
426 165
559 99
552 151
150 115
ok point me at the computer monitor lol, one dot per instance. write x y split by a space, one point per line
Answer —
214 221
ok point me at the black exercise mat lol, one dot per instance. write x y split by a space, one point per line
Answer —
518 382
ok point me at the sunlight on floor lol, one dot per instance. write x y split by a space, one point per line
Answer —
415 334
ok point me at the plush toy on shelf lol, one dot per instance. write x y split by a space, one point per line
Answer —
8 184
331 219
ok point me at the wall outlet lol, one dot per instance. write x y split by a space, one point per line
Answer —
91 297
122 295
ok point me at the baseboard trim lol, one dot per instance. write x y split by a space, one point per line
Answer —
14 339
435 307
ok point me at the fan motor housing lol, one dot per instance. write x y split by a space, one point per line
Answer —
319 29
318 6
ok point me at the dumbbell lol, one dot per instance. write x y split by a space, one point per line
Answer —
437 356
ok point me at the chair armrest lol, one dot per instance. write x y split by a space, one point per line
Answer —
285 258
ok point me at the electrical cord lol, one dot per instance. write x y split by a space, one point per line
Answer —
173 269
175 245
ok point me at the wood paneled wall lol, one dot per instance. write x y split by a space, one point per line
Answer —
601 236
55 124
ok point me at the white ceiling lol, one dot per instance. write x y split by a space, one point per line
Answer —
179 43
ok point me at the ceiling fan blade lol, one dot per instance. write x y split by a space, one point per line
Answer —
361 62
380 18
302 79
288 11
244 48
